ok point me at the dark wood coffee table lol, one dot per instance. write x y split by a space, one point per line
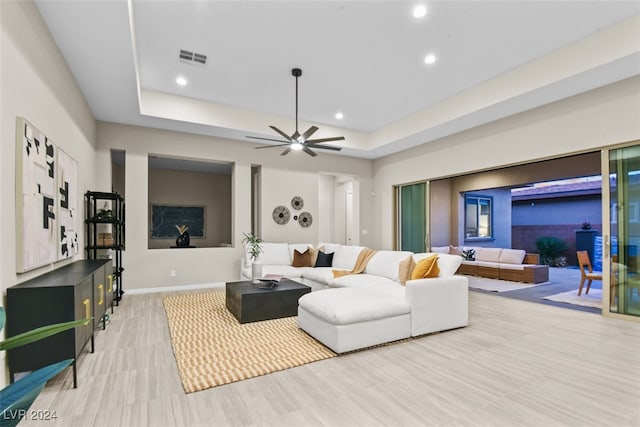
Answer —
250 303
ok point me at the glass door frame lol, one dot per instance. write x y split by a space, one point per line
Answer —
397 213
606 231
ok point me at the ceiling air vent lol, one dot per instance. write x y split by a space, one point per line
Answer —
186 55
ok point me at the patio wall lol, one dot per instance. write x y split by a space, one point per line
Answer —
524 237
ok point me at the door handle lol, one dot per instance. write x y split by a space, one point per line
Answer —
87 309
101 289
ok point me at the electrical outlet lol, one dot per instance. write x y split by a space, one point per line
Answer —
172 273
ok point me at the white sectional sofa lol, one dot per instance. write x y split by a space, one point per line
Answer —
373 307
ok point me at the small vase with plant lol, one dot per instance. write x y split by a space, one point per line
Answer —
183 239
254 248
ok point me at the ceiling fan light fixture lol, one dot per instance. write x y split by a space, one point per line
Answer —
420 11
430 59
296 146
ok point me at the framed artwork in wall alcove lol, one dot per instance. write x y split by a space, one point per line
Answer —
165 218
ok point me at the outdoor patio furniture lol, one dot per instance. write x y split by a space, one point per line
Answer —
587 271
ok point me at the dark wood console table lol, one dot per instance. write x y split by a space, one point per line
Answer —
75 291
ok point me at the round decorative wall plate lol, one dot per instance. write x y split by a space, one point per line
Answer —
297 203
305 219
281 215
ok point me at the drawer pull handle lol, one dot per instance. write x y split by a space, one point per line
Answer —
101 289
87 309
110 282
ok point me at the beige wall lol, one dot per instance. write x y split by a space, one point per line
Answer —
282 178
585 122
36 84
117 179
213 191
278 188
440 218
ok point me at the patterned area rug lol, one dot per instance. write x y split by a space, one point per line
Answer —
495 285
592 299
211 348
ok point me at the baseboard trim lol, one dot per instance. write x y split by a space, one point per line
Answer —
217 285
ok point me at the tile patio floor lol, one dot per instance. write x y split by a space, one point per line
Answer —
562 280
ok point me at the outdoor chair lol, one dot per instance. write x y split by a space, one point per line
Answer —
587 271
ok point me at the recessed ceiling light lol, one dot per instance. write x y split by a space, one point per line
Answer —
339 115
181 81
419 11
430 59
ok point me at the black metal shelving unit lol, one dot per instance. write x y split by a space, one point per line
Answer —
101 210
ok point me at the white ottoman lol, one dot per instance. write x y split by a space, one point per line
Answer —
346 319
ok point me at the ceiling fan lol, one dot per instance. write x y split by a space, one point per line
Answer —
297 141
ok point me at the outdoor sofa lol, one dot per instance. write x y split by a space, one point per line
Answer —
497 263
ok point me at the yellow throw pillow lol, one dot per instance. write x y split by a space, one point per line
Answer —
427 267
405 268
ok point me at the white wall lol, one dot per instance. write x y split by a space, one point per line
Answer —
36 83
282 178
326 208
592 120
278 188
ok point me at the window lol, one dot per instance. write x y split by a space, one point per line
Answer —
478 214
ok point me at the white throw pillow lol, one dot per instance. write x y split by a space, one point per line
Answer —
275 254
346 256
448 264
329 248
385 264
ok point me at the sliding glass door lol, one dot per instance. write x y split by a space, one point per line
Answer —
624 223
412 217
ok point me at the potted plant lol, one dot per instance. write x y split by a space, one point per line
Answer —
254 248
17 397
183 239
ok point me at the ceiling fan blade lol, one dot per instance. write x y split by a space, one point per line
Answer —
271 146
317 141
285 152
308 151
284 135
268 139
325 147
309 132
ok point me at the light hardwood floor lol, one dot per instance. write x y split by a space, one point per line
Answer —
517 364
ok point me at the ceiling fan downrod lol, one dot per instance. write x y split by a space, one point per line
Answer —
296 72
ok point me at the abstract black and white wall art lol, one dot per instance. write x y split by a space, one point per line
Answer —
41 190
68 198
